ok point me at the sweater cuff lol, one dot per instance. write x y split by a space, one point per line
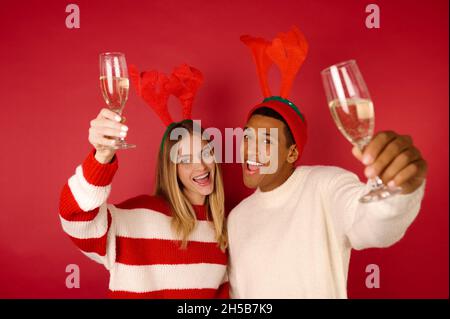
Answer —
413 199
99 174
403 203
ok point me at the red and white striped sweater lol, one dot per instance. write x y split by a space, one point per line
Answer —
135 242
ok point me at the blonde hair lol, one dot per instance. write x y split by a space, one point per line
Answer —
170 187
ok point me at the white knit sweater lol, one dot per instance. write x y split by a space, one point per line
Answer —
295 241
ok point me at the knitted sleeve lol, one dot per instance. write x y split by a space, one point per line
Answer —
370 225
85 216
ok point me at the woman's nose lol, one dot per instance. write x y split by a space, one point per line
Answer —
199 164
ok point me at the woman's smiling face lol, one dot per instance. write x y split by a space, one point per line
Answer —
195 168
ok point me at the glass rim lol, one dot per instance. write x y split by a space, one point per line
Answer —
111 53
351 61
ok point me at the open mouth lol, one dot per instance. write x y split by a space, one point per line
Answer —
253 166
203 179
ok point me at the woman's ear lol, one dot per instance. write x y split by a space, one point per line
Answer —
292 154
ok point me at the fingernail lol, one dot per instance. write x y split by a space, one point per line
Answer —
367 159
123 134
369 172
391 184
117 118
124 128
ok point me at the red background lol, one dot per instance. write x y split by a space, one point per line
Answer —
50 91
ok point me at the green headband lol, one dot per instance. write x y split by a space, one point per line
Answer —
287 102
168 129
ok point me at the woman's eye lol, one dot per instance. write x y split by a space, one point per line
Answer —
207 154
184 161
247 136
268 141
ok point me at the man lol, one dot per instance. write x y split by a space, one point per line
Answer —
292 237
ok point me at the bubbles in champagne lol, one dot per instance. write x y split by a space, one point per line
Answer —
115 91
355 119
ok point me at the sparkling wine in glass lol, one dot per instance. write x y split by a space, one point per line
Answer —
114 85
353 112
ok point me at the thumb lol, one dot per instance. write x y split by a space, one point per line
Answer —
123 119
357 152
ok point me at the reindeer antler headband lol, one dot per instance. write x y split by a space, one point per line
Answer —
288 52
155 88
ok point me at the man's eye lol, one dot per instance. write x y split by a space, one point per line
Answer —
267 141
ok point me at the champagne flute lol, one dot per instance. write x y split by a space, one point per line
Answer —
353 112
114 84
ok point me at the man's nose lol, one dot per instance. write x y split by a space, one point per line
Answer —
251 148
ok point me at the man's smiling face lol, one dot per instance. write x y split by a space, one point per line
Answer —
257 142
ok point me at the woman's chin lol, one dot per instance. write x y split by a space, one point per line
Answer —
205 191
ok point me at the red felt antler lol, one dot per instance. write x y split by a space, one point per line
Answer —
155 88
151 86
258 47
185 82
288 51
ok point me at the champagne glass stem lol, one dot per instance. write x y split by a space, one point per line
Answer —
378 190
375 182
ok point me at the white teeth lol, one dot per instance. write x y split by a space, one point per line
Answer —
254 163
201 176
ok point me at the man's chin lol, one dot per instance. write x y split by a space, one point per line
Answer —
250 182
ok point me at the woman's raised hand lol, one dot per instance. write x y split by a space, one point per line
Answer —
104 131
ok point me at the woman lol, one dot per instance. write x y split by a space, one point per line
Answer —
170 245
